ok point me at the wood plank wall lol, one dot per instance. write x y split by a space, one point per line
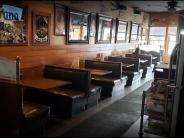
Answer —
36 56
58 52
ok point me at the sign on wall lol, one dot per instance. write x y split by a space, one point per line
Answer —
60 20
41 28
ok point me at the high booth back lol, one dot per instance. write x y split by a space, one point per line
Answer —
81 79
142 57
106 65
127 60
11 106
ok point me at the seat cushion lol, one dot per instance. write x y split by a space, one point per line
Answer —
32 110
105 81
94 96
130 73
67 93
94 89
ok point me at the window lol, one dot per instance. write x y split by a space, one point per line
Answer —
157 36
172 32
121 31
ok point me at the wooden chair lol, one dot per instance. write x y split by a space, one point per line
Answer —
19 118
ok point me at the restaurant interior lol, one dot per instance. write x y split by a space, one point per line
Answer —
78 68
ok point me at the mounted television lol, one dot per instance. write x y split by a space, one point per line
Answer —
12 12
13 25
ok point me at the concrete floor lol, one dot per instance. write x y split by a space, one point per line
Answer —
133 131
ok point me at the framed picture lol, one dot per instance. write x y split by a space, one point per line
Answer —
60 20
134 32
41 28
13 25
78 27
92 24
121 32
104 29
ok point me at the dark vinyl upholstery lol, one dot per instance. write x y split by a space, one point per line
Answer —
20 118
154 54
112 83
68 100
132 73
147 66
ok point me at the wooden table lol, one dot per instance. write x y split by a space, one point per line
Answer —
162 71
154 58
165 66
98 72
127 65
43 83
143 61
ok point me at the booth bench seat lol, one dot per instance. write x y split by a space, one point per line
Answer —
155 56
147 66
18 117
112 84
67 101
133 72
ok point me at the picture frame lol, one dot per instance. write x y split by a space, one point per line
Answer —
13 25
78 27
103 29
41 28
121 30
134 32
92 24
59 20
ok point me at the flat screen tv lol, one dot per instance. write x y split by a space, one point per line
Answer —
12 12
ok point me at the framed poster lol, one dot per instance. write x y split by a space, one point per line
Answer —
134 32
104 29
121 31
78 27
13 25
60 20
41 28
92 24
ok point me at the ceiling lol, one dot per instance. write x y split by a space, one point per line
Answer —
152 6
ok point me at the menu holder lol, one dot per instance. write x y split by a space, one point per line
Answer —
100 57
75 63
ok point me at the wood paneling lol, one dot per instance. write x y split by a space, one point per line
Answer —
57 52
35 56
164 19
